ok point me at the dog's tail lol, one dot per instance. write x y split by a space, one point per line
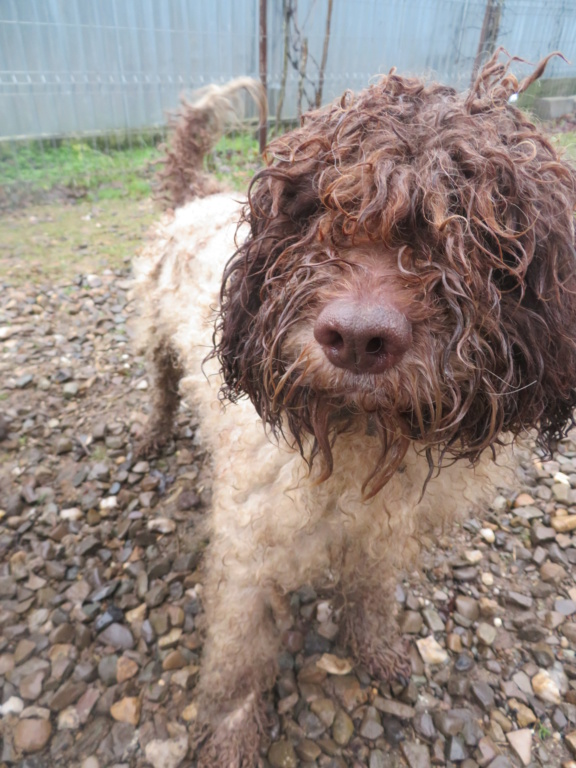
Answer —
195 129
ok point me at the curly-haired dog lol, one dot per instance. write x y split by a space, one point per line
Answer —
400 304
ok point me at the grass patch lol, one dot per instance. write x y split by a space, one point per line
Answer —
566 141
52 242
37 171
106 169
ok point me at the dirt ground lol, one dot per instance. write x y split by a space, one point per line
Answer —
100 563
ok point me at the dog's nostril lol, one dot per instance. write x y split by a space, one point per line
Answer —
375 345
333 339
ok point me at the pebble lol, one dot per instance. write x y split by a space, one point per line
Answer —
161 525
416 755
342 728
125 669
486 633
32 735
545 687
564 524
483 694
334 665
521 743
12 706
118 636
431 651
281 755
371 725
127 710
488 535
167 754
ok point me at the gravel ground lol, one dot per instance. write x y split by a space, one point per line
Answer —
100 592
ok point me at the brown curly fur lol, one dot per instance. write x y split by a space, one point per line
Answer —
478 206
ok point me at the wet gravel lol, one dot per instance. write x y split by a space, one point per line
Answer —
100 586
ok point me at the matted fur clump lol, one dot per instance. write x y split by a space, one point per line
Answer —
398 305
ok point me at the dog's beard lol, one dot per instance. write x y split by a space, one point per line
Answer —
394 409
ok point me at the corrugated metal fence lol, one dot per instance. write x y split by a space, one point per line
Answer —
81 67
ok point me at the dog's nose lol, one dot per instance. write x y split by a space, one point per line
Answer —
363 338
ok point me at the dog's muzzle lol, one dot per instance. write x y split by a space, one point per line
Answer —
362 337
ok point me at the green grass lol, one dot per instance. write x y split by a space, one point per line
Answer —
567 141
79 168
106 169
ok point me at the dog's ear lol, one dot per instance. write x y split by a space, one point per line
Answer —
538 316
282 204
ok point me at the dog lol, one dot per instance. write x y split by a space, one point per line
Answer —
396 309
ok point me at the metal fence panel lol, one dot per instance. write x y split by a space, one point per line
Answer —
79 66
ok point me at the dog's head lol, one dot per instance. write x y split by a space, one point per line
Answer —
410 270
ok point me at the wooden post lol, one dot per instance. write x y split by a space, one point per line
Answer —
263 34
488 35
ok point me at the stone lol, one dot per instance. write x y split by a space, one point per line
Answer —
342 728
371 726
68 719
334 665
348 691
107 669
431 651
30 686
66 695
394 708
281 755
570 740
467 607
543 655
519 600
455 750
449 723
127 710
411 623
521 743
324 709
486 633
161 525
523 500
524 715
13 706
424 726
118 636
310 724
564 524
125 669
545 688
552 572
565 607
416 755
170 639
167 754
488 535
32 735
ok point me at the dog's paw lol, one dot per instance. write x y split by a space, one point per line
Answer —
392 663
234 741
149 444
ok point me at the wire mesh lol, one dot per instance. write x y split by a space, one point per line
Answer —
103 76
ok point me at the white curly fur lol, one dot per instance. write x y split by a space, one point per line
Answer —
273 527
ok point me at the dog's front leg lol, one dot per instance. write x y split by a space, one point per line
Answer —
239 666
370 626
165 372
